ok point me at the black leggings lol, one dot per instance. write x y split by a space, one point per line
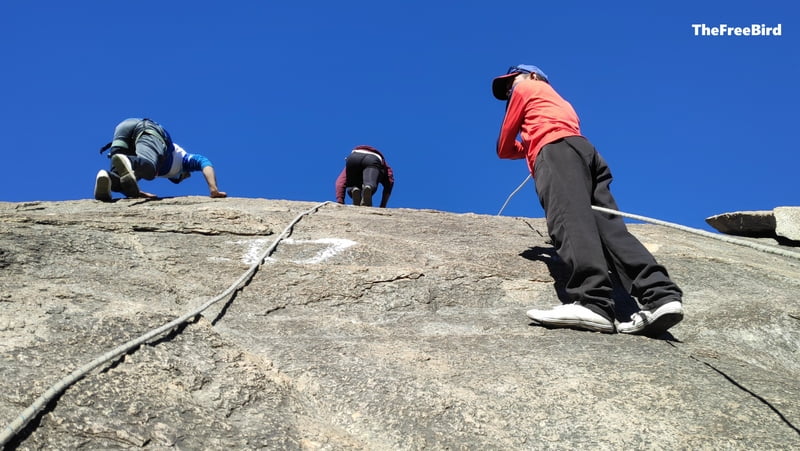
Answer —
363 169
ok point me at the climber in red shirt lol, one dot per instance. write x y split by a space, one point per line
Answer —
570 177
365 167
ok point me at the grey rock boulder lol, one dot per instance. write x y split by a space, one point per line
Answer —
787 222
781 224
755 224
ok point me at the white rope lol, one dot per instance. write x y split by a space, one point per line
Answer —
716 236
513 194
31 411
728 239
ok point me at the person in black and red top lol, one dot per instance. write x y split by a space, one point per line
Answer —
365 167
571 177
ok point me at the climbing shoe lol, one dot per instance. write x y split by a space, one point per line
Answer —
366 196
355 193
102 186
573 316
653 323
127 178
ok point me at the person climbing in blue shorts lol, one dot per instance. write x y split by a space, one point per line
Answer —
143 149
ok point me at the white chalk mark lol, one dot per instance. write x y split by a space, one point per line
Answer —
334 246
218 259
254 249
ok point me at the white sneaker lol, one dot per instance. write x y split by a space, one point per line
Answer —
574 316
126 176
653 323
102 186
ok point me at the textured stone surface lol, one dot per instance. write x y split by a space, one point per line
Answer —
787 222
375 329
757 224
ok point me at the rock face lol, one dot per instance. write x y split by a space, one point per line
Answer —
379 329
787 222
756 224
781 223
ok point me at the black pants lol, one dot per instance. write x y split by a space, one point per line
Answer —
571 176
363 169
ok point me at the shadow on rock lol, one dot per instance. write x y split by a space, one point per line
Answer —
624 304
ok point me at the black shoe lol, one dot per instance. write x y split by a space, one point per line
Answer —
355 193
366 197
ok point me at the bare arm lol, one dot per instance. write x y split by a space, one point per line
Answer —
211 180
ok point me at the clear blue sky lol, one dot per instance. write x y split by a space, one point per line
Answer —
277 93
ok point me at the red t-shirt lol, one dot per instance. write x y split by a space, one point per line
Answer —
539 116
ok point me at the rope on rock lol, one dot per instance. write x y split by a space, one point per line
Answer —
31 411
726 238
514 193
